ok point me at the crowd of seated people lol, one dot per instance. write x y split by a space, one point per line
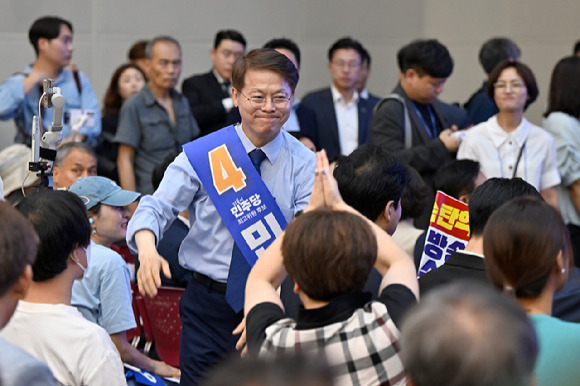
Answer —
304 269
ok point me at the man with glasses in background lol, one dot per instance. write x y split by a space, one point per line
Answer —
342 117
210 94
240 185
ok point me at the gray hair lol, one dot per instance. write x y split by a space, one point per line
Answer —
159 39
64 150
468 334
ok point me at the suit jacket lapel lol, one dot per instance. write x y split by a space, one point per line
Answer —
330 118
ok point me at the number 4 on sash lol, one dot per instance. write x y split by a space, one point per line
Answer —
226 175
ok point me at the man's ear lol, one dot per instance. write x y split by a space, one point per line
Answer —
42 44
235 96
20 288
297 288
55 173
464 198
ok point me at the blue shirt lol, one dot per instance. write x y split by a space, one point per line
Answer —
288 172
14 104
103 295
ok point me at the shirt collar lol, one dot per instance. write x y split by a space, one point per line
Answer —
499 136
337 310
271 149
150 99
218 77
337 96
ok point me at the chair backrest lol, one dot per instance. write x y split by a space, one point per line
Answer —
162 314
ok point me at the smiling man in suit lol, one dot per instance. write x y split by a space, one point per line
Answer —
210 94
342 117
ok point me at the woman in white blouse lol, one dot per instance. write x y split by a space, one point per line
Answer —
562 121
507 145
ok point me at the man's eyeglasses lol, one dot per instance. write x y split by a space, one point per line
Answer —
258 102
515 85
343 64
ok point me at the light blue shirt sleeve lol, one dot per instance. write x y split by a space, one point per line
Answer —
11 96
288 173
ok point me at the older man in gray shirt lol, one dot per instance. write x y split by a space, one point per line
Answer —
154 122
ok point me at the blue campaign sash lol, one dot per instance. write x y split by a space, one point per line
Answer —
237 191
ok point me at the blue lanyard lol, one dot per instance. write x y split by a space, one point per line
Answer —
431 131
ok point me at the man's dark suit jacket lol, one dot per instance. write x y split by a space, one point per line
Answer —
459 266
324 133
205 95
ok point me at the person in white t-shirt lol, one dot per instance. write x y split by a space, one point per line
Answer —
77 351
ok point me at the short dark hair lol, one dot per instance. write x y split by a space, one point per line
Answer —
426 57
524 71
47 27
113 100
366 57
160 39
264 59
64 150
228 34
160 168
496 50
18 246
467 333
62 225
285 44
414 196
346 256
521 242
344 44
576 47
492 194
369 178
565 87
137 50
456 177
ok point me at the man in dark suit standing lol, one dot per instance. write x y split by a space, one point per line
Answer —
342 117
412 122
210 94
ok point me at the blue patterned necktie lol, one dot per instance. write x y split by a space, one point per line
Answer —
239 267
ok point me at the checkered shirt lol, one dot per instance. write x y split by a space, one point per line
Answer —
361 350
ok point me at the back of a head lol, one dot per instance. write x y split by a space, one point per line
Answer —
284 44
137 50
60 220
576 50
565 94
47 27
468 334
414 196
18 246
369 178
521 243
492 194
264 59
284 370
427 57
228 34
457 178
496 50
340 244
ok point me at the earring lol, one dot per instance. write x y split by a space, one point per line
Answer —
91 221
563 271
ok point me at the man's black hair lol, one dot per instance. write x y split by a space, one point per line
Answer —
492 194
285 44
343 44
369 178
496 50
457 177
427 57
47 27
228 34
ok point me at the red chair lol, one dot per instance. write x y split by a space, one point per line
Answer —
161 319
134 334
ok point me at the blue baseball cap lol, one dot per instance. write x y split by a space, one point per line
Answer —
95 189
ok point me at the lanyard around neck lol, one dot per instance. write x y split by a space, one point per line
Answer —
431 131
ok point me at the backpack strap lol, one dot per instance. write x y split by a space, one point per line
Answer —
407 119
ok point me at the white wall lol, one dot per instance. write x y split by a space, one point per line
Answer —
105 29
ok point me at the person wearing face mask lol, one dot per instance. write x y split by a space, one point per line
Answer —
103 296
127 80
45 324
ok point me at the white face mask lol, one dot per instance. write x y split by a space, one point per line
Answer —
88 255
